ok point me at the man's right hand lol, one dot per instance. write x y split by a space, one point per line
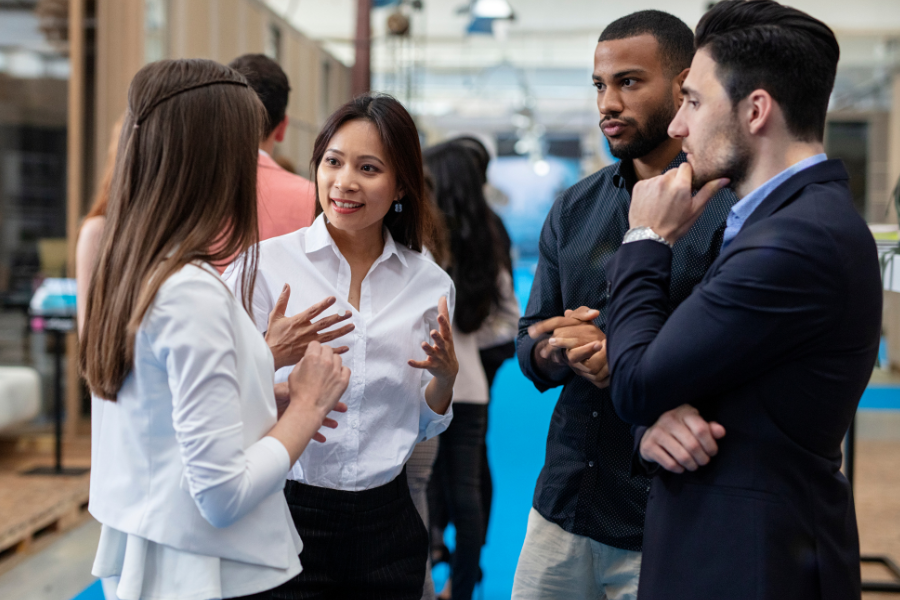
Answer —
681 439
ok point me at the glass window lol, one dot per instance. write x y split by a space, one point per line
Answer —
34 72
154 30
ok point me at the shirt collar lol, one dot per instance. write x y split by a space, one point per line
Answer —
746 205
318 237
266 160
625 178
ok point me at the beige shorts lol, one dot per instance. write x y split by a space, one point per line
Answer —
558 565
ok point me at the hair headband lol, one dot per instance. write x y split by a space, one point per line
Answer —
183 90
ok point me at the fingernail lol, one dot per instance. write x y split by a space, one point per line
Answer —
552 341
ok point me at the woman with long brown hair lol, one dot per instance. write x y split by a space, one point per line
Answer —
349 497
188 453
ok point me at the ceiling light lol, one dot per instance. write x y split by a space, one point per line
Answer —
491 9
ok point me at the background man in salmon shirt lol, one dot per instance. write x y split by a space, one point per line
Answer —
286 201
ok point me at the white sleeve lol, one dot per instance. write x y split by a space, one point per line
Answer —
502 325
431 423
190 330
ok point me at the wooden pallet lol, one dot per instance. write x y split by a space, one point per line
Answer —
35 510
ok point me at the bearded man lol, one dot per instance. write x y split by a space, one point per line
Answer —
764 364
586 525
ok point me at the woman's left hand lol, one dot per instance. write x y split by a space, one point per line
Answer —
441 357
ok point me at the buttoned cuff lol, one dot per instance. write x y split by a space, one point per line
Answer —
431 423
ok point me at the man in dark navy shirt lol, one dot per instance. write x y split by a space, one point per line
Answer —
586 527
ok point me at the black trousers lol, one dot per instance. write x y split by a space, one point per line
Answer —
455 489
369 544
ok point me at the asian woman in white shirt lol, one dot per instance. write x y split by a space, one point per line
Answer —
188 453
363 537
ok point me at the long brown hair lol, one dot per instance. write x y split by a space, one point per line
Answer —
101 199
418 225
183 190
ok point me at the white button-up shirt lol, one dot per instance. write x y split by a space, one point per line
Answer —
387 414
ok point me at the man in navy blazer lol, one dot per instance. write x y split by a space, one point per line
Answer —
773 349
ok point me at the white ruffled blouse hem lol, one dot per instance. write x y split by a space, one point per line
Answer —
146 570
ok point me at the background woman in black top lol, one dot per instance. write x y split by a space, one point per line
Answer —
481 284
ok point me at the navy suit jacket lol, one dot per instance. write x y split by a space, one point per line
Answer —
777 343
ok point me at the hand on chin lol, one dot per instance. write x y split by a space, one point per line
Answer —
666 204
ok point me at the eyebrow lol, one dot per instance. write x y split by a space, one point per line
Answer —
363 157
622 74
688 91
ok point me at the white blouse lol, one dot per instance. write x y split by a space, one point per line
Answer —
398 307
184 480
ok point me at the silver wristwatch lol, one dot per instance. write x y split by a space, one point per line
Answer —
644 233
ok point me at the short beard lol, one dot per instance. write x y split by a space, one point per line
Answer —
647 138
733 160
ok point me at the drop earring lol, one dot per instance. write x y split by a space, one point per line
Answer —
398 207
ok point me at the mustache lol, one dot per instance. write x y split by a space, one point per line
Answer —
626 120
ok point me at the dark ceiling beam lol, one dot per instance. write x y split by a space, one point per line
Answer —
361 80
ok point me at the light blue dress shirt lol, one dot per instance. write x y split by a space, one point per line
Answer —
741 211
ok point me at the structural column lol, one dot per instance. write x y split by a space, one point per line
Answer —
893 166
362 76
75 171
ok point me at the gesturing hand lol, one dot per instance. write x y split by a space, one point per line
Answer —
316 384
288 337
681 439
441 357
665 204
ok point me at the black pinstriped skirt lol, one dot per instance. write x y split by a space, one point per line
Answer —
369 544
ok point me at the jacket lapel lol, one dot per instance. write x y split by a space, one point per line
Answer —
784 194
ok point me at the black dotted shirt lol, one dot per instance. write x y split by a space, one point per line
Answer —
586 485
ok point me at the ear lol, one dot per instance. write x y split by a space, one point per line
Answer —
758 111
280 130
678 82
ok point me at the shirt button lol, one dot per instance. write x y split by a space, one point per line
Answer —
595 413
591 463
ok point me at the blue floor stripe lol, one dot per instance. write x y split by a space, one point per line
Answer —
881 397
519 420
91 592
